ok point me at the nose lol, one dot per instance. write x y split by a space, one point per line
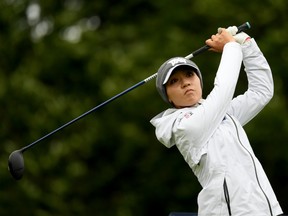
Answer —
185 83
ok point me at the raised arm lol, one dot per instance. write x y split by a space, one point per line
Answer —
195 129
260 84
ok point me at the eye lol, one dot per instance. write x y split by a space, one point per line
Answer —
190 73
172 81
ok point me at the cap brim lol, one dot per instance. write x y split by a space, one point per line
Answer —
171 70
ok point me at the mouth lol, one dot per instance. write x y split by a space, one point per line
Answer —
188 91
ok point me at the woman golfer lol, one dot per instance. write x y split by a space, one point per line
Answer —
209 132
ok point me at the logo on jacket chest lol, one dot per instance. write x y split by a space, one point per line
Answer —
187 115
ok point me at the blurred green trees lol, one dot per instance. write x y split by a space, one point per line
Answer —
59 59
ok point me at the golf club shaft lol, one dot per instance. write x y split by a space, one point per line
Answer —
89 111
193 54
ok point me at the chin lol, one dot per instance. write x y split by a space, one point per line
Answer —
184 106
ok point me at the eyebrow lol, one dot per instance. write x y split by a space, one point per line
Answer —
182 70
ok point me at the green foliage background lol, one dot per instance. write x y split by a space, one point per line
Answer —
58 59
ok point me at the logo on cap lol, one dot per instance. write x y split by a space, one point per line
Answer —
175 61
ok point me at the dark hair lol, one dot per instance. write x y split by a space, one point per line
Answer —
184 68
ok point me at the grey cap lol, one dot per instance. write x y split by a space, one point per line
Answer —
165 71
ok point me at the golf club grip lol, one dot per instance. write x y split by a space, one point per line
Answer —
240 28
243 27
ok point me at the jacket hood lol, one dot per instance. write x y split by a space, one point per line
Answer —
164 123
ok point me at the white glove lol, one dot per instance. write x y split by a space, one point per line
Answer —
231 29
241 37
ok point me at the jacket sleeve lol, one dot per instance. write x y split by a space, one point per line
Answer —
192 131
260 85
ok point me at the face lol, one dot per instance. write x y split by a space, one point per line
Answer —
184 88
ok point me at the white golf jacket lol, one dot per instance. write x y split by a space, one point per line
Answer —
212 141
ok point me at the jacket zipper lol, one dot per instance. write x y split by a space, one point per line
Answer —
254 165
227 198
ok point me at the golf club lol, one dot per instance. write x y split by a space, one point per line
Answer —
16 160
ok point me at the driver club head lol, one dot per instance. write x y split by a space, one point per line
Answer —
16 164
